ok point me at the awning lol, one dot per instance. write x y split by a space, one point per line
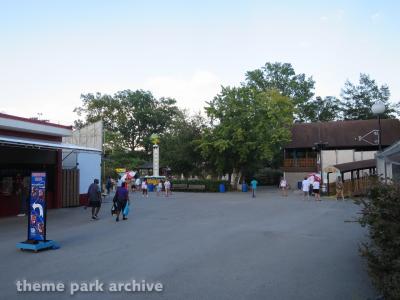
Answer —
393 150
41 144
356 165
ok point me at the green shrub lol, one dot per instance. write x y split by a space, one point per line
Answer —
381 214
267 176
211 185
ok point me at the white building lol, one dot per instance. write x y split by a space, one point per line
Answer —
388 163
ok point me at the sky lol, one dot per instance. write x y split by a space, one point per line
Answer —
51 52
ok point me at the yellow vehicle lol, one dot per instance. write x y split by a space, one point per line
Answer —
154 180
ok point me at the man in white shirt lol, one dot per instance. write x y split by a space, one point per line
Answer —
305 186
167 186
120 181
138 183
316 190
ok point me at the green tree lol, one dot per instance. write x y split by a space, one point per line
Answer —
323 109
357 100
178 146
282 77
248 127
120 159
129 117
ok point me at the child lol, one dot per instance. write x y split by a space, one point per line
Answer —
283 185
339 188
305 185
254 183
316 190
144 189
167 186
159 188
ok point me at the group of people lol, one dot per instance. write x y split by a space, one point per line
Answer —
313 187
121 197
160 186
310 188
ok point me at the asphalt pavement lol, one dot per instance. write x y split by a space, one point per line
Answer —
197 246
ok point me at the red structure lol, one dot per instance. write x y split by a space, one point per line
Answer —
26 146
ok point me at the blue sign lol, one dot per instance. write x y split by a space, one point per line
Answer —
37 208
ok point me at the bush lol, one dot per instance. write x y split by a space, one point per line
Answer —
381 213
211 185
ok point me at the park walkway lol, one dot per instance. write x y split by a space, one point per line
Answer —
199 246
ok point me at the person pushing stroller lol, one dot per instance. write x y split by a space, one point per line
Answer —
121 199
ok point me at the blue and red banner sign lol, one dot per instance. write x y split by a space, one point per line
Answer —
37 208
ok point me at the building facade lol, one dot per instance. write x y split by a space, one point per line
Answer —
326 147
388 163
28 146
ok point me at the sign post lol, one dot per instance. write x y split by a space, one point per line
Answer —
156 154
37 216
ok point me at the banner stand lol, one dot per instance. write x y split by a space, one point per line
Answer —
37 245
37 216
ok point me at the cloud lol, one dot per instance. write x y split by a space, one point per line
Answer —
339 14
376 17
304 44
323 18
190 92
335 16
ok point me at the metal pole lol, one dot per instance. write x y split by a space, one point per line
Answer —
380 134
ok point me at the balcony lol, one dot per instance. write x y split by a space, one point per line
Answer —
300 165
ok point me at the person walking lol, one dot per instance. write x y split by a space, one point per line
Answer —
94 197
254 183
305 186
159 188
339 188
144 189
109 185
283 186
121 198
167 186
316 185
138 184
120 181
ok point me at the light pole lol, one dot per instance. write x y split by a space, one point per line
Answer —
377 109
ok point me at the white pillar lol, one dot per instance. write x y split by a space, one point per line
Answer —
156 160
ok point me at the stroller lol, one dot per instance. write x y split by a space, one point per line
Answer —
114 207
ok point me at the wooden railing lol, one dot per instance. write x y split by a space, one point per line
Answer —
300 162
355 187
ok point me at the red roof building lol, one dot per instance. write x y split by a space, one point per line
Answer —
28 146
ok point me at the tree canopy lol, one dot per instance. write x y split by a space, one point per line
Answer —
129 117
283 78
357 100
247 127
179 148
323 109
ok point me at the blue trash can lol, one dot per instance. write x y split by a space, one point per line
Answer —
244 188
222 188
150 187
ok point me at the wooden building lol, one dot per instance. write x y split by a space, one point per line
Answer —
320 147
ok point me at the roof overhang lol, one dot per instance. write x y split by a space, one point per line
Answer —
356 165
393 150
38 127
40 144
